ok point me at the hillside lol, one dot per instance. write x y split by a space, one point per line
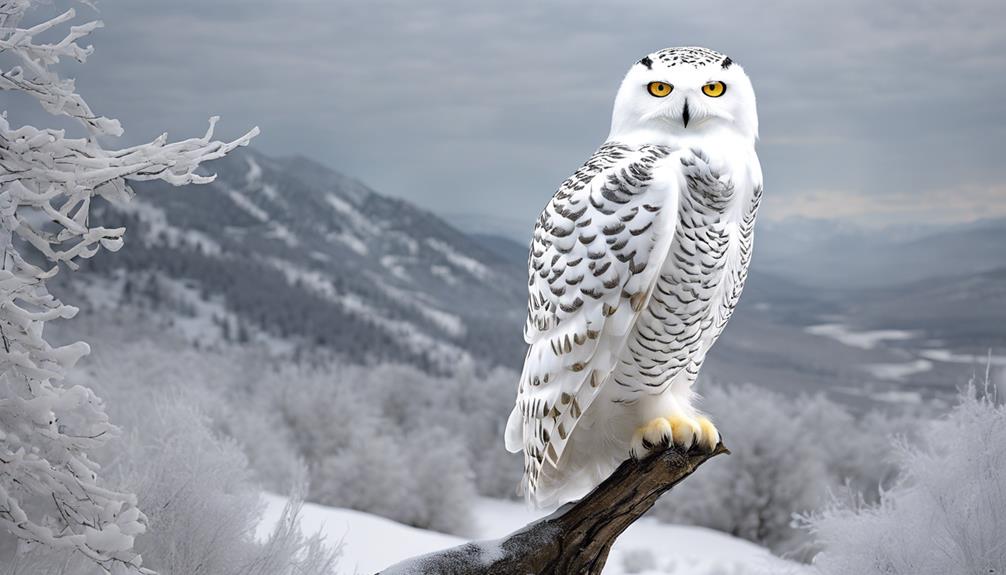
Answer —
289 250
829 255
977 301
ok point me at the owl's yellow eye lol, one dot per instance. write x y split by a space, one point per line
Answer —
659 89
714 89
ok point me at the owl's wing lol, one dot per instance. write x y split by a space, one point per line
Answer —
595 256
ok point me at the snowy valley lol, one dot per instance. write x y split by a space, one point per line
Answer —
222 356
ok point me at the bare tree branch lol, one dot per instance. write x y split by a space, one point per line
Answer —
576 538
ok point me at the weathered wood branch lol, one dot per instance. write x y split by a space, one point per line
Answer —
576 538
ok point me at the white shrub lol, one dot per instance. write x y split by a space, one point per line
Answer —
199 486
444 482
369 474
947 514
202 507
384 440
638 560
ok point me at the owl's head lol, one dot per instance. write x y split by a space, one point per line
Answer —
677 93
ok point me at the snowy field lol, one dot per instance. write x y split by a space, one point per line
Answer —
371 543
860 339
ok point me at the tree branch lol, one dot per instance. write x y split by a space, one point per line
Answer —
578 536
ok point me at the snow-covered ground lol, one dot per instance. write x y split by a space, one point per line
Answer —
860 339
371 543
898 371
975 360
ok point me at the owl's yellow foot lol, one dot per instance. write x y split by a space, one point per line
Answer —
682 431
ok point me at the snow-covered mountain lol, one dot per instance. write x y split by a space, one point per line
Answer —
289 250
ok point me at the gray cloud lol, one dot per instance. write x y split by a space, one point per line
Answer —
467 107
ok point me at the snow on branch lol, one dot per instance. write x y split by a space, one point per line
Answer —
577 537
50 493
31 75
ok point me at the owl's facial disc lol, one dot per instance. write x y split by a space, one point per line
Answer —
683 92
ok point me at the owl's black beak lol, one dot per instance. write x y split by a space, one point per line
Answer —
685 116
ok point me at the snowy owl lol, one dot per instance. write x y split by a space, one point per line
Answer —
635 267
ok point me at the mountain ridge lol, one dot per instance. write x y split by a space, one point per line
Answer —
298 251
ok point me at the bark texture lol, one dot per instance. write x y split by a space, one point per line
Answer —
576 538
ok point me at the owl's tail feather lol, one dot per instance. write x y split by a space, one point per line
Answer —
558 486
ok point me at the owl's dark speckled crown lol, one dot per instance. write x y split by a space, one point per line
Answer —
692 56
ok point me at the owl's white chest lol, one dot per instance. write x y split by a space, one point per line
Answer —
699 284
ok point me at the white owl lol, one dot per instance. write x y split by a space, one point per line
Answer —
635 267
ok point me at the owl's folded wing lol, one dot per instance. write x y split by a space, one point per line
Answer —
595 256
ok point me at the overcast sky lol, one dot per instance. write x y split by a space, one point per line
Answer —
870 111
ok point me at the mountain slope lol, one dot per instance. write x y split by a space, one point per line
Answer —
828 255
290 249
509 250
967 311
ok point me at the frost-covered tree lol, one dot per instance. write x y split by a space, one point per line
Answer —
773 471
947 514
204 508
373 448
50 493
786 458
